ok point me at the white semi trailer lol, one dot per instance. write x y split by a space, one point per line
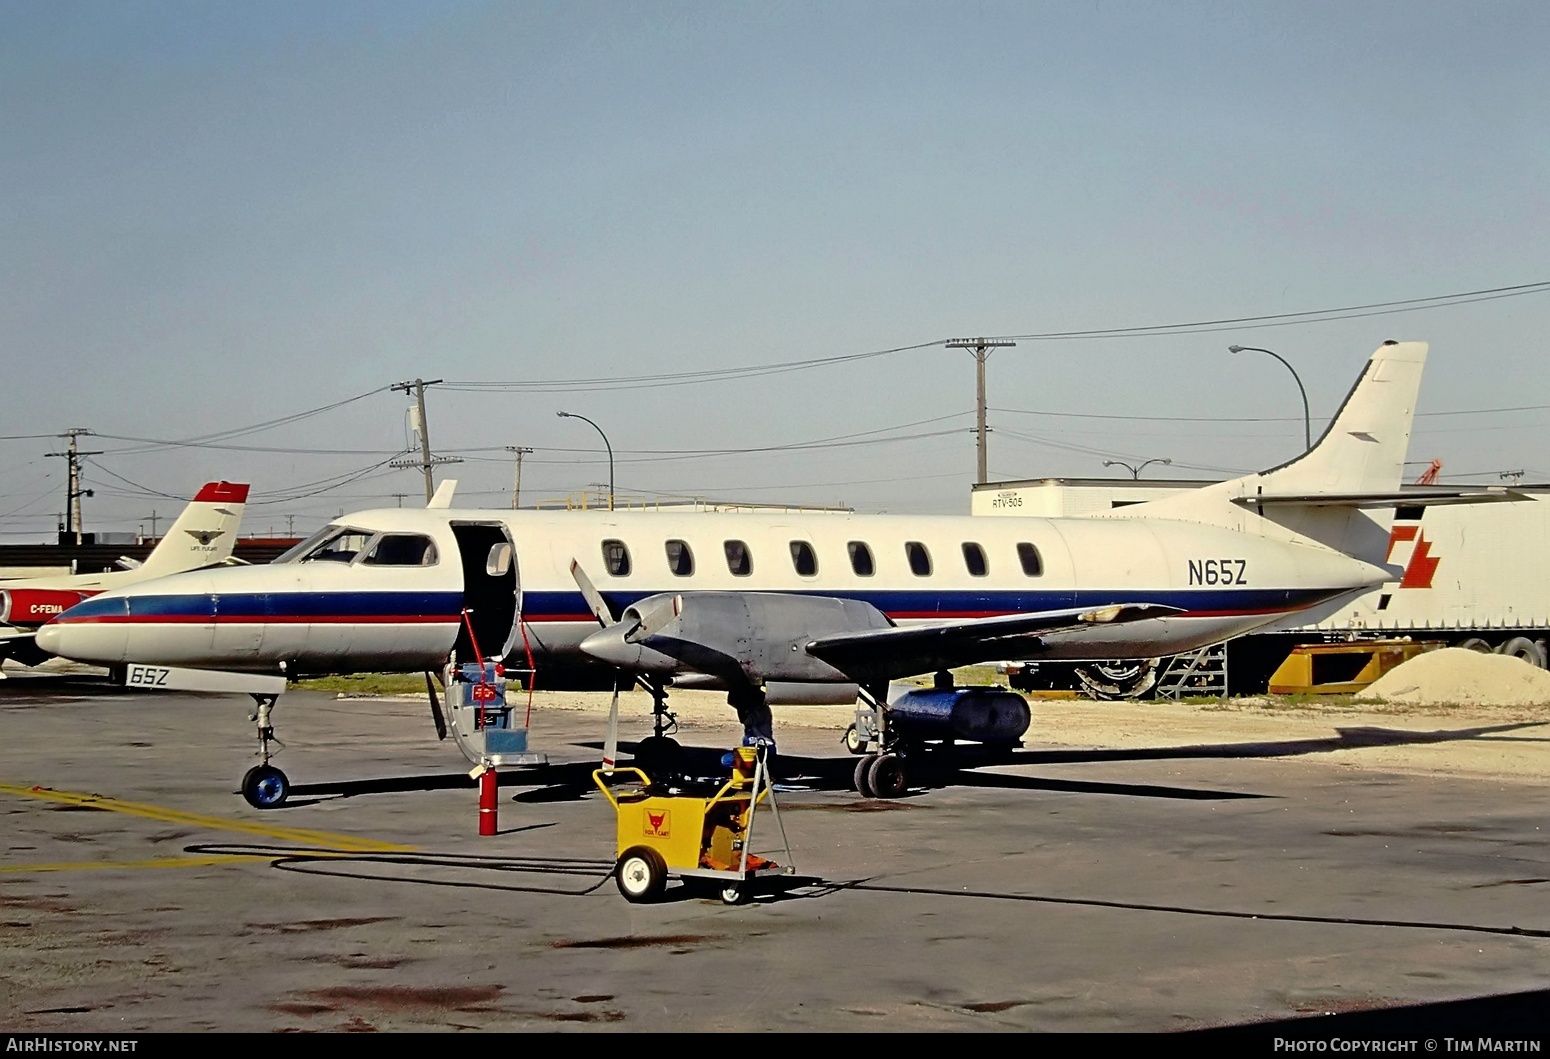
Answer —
1475 575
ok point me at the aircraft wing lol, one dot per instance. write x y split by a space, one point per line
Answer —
20 646
900 651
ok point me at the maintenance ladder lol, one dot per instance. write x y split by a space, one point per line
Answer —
1202 672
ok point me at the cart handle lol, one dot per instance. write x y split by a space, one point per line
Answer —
598 778
736 785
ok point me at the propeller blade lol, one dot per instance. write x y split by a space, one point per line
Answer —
611 740
654 615
441 722
595 601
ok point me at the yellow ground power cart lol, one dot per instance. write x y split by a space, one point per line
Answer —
667 831
1343 668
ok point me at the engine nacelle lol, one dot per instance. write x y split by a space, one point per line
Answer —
30 607
745 637
982 715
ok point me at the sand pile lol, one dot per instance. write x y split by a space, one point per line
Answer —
1469 678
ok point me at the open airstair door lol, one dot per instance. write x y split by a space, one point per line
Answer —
492 594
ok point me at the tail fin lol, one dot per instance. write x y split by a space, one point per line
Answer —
1360 456
1363 451
204 533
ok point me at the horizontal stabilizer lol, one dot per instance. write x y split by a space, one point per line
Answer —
1405 498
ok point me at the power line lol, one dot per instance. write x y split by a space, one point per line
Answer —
208 440
1345 312
676 378
1252 419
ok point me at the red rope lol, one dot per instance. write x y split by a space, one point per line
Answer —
532 673
471 639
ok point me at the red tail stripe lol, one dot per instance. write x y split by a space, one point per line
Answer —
222 493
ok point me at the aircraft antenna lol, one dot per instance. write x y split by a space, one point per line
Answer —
981 349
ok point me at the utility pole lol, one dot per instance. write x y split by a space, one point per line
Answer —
290 525
516 484
400 497
425 462
981 349
153 523
74 492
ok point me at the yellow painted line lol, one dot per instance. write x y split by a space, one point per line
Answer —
159 862
324 839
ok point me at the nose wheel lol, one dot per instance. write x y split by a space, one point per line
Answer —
263 785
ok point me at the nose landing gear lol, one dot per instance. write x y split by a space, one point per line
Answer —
264 786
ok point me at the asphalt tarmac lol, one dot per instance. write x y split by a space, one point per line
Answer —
1145 890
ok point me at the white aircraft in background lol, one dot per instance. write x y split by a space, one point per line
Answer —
203 535
776 609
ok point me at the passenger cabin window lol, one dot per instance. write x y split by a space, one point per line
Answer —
1028 555
616 558
861 559
804 559
974 559
920 559
402 549
680 560
739 562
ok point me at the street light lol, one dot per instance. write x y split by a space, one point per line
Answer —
610 448
1307 419
1135 471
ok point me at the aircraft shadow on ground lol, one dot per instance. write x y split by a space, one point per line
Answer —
573 780
1345 739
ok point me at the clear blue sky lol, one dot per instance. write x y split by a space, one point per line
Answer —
215 215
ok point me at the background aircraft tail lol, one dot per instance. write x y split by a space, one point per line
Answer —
203 534
1318 497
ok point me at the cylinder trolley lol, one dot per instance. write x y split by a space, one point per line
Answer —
671 831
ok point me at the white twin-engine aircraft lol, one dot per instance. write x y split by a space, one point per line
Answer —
203 535
774 608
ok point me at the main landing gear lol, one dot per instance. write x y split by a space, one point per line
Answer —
264 786
928 729
882 773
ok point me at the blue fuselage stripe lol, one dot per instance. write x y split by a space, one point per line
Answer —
570 606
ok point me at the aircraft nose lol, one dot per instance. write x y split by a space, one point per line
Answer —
52 638
607 645
87 632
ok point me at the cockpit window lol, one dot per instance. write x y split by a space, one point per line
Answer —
402 549
335 544
294 553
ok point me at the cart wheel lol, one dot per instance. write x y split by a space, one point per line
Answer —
641 874
734 895
265 787
853 741
861 778
886 777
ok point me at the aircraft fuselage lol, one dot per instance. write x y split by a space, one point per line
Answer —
394 605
